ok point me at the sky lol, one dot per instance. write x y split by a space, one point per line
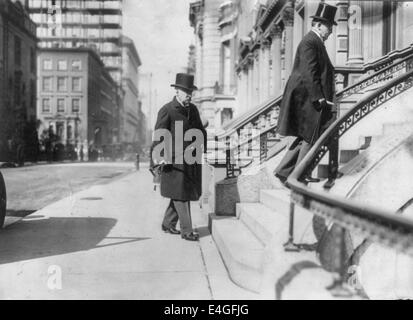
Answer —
162 35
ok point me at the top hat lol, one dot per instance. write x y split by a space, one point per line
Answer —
325 13
185 82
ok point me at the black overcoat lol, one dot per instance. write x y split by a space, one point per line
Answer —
311 79
180 180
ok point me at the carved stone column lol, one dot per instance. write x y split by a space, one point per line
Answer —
250 71
261 65
288 20
243 90
276 34
264 70
355 55
256 78
342 33
267 70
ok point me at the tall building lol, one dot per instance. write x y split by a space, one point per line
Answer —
17 81
131 113
77 98
77 23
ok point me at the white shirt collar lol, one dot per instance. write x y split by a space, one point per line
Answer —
179 101
318 35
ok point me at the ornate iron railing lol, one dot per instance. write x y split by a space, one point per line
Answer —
374 223
262 121
264 117
385 74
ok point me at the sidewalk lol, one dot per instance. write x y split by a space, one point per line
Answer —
106 243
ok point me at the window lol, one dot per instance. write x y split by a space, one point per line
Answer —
17 51
69 132
46 105
225 67
75 105
76 65
47 84
76 83
60 105
47 64
62 65
61 83
32 60
33 94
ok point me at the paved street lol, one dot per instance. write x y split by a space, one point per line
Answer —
105 242
31 188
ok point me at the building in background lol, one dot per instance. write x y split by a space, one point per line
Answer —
17 82
131 122
84 24
77 99
214 75
148 102
77 23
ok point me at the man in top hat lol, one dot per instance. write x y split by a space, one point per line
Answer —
305 110
180 179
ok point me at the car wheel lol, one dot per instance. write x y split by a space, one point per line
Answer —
3 200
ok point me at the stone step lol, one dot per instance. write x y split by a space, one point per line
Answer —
280 202
241 252
277 200
390 128
262 221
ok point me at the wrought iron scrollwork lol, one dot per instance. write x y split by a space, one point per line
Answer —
385 74
357 114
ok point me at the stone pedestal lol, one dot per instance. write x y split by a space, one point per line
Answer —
244 188
213 174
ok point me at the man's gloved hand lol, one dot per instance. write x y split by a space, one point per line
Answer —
321 104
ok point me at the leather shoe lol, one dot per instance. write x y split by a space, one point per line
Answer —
171 230
310 180
190 236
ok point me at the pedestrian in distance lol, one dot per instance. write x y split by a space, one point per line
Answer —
306 106
180 179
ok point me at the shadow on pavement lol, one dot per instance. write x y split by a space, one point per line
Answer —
44 237
19 213
289 276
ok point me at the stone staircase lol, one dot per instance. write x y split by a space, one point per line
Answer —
371 129
251 243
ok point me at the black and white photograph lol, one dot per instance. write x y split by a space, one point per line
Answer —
206 150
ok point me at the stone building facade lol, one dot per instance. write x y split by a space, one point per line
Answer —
215 96
78 23
17 80
77 98
130 114
255 42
